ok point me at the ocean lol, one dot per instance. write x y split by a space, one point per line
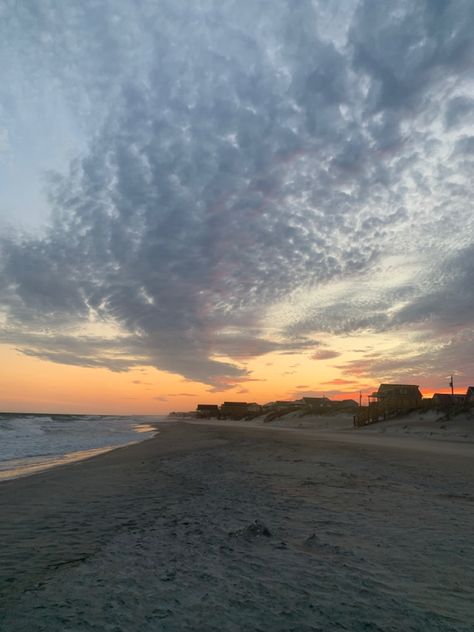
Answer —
31 443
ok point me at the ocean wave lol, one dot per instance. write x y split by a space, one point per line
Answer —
29 436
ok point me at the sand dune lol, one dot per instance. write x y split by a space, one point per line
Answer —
429 431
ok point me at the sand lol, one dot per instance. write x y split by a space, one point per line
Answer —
243 528
431 425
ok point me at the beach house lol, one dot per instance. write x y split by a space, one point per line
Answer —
469 397
400 396
344 404
234 410
317 404
393 399
446 400
207 411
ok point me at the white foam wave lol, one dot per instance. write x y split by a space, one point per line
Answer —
27 438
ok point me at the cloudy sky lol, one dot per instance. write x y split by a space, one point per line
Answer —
225 199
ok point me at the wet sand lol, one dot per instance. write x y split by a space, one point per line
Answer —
231 528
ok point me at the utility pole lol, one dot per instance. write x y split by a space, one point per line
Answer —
360 399
451 384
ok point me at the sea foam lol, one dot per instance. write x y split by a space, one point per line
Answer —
31 443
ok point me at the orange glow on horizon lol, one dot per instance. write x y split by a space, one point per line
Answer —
29 384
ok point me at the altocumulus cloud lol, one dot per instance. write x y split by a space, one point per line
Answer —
234 152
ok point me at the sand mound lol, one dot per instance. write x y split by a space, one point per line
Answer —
255 530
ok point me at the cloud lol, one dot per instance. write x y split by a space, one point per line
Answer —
176 222
325 354
420 362
230 155
339 382
226 384
182 395
354 395
404 48
447 302
465 146
119 354
299 394
244 346
459 111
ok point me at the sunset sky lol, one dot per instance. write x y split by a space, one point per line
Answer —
233 200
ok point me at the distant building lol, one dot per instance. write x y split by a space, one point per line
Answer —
446 400
183 415
469 396
344 403
390 400
317 403
207 411
393 397
442 400
234 410
279 404
268 405
254 408
297 403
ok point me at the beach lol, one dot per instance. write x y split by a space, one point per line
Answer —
239 527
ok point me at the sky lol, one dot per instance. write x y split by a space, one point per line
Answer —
233 200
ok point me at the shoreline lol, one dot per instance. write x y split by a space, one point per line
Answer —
22 466
47 500
19 468
434 445
215 527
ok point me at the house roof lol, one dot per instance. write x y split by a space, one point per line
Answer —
387 389
315 400
207 407
242 404
391 387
